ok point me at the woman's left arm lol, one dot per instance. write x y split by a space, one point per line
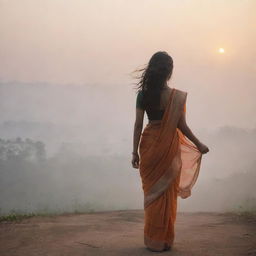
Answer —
138 126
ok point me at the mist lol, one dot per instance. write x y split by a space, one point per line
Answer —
67 100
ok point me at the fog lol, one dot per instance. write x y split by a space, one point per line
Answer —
67 100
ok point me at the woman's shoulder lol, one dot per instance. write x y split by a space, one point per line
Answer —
140 93
181 91
139 101
182 96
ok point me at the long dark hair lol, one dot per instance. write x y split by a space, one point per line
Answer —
153 77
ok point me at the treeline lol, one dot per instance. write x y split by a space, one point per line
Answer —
31 181
22 149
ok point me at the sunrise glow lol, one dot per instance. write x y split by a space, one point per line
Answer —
221 50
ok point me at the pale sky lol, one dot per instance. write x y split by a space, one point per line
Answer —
101 41
64 80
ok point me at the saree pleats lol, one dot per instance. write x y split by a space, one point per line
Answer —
169 166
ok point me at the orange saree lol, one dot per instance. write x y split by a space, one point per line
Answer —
169 167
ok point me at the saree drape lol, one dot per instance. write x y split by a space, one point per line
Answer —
169 166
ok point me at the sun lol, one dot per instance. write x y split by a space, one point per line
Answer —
221 50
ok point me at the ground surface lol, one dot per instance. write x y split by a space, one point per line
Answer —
120 233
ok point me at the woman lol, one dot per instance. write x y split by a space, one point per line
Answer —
167 153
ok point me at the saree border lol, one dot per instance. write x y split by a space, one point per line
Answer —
168 127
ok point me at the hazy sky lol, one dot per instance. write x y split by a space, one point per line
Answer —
69 63
101 41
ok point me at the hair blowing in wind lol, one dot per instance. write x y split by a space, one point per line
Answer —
153 78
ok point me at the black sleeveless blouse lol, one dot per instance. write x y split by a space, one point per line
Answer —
153 114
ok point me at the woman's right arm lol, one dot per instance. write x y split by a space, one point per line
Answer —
182 125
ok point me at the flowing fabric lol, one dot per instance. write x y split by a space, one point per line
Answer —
169 167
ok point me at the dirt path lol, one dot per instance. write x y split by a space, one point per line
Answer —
120 233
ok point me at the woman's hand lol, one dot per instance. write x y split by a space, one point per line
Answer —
202 148
135 160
